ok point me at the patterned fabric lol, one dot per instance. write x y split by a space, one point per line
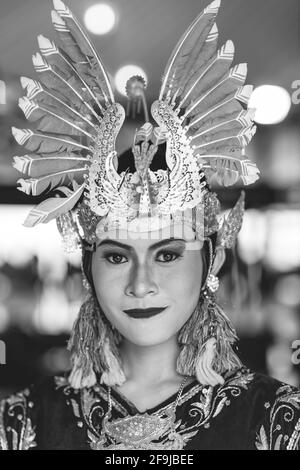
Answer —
250 411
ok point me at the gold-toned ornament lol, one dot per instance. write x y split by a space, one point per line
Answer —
212 283
140 431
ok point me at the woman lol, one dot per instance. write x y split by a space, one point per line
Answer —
235 410
153 360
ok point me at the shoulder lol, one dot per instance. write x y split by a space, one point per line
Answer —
274 408
21 411
259 386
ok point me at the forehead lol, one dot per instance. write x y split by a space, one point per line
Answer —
142 240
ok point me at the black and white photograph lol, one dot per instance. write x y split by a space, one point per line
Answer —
150 227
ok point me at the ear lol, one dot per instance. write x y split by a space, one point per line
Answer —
219 259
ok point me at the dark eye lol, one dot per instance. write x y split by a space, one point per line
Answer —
169 256
115 258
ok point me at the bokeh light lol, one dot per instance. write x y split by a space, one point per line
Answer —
100 18
272 104
124 73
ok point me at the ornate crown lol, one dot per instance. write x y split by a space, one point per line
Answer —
200 113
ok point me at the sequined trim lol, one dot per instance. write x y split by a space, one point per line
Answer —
93 407
283 410
212 402
295 439
16 429
90 407
3 440
169 439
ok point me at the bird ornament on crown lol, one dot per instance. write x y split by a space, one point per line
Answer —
200 114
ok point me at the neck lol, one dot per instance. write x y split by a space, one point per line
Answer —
150 364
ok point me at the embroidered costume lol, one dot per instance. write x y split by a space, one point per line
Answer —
249 411
201 116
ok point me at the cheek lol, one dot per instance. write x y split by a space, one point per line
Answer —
106 283
186 289
104 275
185 281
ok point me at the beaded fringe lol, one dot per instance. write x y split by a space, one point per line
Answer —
206 342
93 346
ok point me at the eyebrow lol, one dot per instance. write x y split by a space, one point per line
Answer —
130 248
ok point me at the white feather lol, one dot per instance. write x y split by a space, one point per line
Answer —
41 65
34 88
48 48
63 11
52 208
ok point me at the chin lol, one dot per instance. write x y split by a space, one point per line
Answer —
143 335
147 341
148 331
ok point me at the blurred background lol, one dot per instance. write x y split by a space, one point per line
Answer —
40 286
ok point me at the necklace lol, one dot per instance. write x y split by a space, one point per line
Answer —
139 431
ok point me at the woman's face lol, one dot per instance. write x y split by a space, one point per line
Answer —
148 273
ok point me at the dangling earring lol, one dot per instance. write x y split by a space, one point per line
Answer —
94 346
212 283
207 337
206 357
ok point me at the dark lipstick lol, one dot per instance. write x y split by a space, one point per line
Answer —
143 312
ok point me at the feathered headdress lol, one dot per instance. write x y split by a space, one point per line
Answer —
200 112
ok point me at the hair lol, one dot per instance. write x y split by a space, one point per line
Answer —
206 255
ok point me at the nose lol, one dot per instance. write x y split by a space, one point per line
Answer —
141 282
